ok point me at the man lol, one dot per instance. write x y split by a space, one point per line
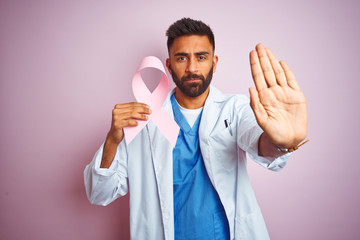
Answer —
200 189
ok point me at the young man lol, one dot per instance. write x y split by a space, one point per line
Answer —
200 189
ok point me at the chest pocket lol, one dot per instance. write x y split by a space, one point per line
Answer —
223 144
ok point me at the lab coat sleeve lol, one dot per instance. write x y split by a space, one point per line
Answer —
105 185
248 134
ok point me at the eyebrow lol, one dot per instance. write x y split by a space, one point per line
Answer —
186 54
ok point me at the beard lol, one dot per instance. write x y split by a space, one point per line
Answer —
194 89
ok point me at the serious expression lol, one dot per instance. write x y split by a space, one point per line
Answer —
192 63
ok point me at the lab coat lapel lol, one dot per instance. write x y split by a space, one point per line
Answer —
210 116
161 151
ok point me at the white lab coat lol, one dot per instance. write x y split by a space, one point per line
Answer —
145 167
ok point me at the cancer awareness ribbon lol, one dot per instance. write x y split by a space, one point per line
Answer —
155 100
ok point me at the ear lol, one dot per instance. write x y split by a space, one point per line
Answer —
168 65
215 61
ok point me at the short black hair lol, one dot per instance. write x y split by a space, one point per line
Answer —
188 26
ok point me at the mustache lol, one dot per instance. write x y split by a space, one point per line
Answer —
192 76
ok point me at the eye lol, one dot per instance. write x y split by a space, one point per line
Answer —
181 59
201 57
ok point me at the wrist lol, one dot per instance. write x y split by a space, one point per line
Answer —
114 138
291 141
291 149
109 151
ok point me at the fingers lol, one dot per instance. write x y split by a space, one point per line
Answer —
278 70
256 71
134 106
126 114
258 108
266 65
291 81
266 69
129 115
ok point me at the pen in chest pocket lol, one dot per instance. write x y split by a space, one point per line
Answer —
227 125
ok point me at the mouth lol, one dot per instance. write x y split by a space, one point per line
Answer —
192 80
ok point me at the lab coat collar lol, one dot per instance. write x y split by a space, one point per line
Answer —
214 96
211 112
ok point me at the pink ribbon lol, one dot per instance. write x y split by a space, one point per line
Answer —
162 119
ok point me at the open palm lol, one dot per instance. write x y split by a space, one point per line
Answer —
278 103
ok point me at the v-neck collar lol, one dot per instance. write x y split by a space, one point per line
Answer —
181 120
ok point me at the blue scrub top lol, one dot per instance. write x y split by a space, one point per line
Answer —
198 211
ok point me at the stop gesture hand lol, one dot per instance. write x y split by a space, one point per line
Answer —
278 103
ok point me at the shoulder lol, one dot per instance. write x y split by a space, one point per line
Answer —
233 106
235 100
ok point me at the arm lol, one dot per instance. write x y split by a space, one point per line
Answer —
104 185
106 176
277 102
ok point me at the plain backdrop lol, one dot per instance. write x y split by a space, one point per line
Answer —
65 64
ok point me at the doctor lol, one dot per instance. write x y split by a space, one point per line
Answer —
200 189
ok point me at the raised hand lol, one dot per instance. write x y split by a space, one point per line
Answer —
278 103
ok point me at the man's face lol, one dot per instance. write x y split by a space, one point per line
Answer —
192 63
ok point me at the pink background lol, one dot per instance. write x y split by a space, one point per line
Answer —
65 64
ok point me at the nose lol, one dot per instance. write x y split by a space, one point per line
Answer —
192 66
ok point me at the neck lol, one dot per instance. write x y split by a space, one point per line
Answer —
191 102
